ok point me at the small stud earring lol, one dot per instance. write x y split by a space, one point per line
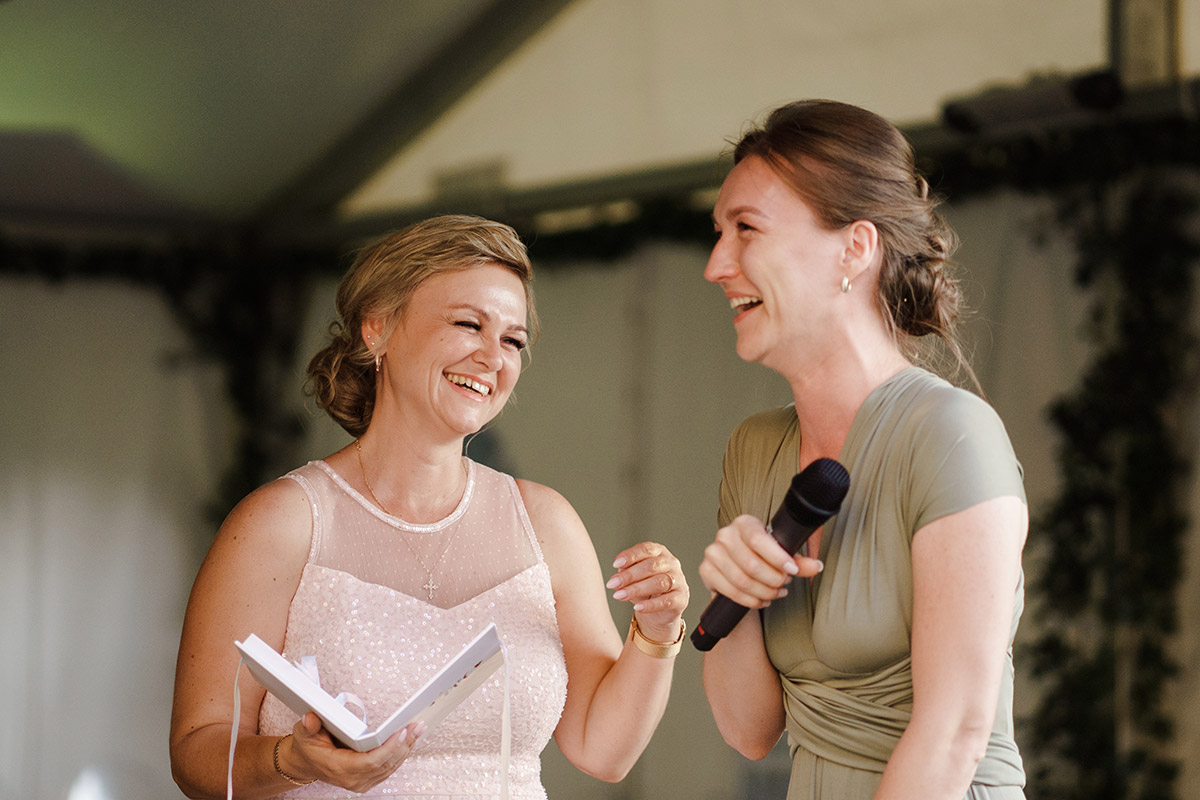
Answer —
845 285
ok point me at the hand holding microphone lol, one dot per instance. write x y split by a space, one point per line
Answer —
815 495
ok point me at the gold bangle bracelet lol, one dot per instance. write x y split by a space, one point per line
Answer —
282 774
653 648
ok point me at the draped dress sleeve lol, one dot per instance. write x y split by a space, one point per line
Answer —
919 449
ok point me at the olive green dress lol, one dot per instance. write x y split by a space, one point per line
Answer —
918 449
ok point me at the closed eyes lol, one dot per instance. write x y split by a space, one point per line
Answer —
514 342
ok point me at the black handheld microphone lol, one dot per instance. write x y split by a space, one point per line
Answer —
815 495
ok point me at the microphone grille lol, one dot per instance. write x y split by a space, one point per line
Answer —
822 485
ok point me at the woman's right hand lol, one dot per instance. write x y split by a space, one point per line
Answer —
312 753
745 564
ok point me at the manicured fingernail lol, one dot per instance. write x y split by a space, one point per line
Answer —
820 566
613 582
790 568
620 562
638 606
620 594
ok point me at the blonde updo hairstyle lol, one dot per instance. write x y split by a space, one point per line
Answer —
379 285
850 164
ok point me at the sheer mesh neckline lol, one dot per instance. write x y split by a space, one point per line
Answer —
399 597
397 522
488 542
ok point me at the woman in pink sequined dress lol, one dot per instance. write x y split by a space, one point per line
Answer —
386 557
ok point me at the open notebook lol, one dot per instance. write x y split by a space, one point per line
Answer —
430 704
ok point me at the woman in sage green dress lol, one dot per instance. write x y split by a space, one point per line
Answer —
884 649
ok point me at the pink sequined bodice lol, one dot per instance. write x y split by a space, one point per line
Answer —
383 603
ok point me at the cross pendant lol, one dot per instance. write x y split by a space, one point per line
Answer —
430 586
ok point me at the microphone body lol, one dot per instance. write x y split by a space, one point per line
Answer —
815 495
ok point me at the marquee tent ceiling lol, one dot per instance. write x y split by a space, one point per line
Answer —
132 110
333 118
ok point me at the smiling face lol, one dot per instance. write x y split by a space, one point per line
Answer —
780 269
451 363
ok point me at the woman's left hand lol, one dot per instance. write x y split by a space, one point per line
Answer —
651 578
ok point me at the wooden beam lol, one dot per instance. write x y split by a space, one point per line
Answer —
410 108
1144 41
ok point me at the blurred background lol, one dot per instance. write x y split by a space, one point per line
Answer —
181 185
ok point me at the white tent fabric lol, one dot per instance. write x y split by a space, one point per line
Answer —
109 456
612 86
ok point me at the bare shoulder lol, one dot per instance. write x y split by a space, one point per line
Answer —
543 503
282 497
564 539
252 570
273 522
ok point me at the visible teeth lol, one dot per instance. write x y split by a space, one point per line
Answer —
462 380
737 302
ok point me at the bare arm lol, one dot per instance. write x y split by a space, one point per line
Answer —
616 694
965 572
749 567
244 586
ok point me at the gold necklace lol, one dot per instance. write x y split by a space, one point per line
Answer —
429 586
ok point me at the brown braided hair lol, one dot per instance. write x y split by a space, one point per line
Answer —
850 164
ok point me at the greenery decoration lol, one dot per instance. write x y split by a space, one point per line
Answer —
242 305
1113 538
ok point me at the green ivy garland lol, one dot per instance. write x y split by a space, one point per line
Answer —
1114 537
241 304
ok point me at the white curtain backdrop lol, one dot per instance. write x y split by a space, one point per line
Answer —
108 456
110 447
